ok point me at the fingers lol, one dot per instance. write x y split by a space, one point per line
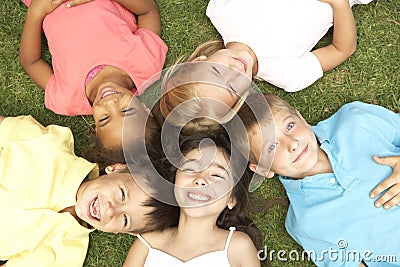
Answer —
392 184
391 161
385 184
390 198
77 2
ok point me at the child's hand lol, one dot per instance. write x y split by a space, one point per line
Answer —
44 7
77 2
392 184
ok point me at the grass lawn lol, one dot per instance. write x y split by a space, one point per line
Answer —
370 75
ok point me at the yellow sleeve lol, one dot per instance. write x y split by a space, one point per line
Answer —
64 244
22 128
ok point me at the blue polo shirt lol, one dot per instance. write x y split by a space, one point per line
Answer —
331 215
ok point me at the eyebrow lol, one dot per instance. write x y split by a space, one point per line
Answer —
287 117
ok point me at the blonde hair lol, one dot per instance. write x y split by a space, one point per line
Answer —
179 85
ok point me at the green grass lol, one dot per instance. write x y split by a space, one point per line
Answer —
370 75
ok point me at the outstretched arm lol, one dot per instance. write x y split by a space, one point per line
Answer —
146 11
30 52
344 41
392 196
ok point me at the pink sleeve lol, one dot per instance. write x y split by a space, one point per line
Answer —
27 2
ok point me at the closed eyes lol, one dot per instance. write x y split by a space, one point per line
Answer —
216 70
129 111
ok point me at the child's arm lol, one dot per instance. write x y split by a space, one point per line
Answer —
242 252
392 184
137 255
344 41
30 53
146 10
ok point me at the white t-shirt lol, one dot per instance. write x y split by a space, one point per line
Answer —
280 32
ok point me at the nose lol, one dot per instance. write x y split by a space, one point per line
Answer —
111 102
200 180
110 210
293 145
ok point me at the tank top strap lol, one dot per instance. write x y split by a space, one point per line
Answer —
228 240
144 241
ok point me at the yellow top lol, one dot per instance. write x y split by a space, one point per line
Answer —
39 176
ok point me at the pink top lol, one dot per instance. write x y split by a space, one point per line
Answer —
100 32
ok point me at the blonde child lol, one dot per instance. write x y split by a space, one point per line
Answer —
212 195
272 40
101 58
51 199
330 176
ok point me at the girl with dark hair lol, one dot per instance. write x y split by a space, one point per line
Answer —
211 184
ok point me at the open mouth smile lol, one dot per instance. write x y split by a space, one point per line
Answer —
94 209
107 92
242 62
198 197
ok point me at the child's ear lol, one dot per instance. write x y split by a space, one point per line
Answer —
261 171
232 203
200 58
114 167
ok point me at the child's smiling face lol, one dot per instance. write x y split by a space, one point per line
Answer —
204 182
295 146
113 203
112 106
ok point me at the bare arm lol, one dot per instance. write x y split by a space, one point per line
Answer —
344 41
392 184
242 252
1 120
30 54
137 254
146 11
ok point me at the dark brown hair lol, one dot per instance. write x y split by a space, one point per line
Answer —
238 216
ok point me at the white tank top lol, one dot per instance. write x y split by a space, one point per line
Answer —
157 258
